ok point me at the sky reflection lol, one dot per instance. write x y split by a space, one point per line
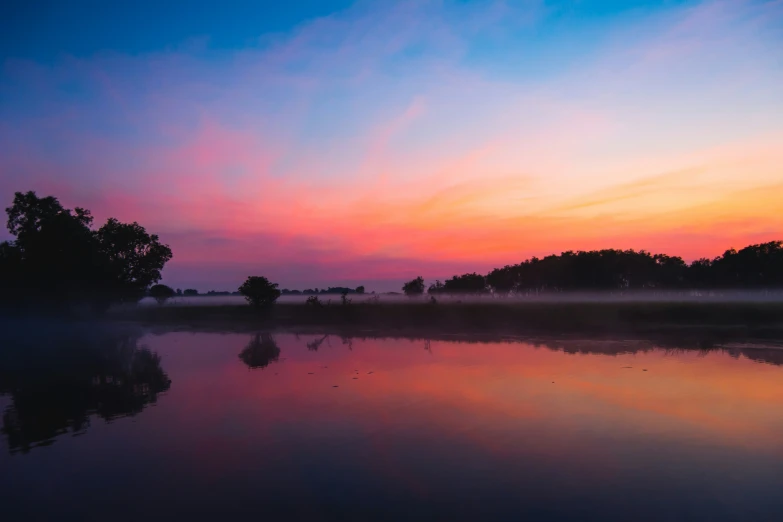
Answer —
383 428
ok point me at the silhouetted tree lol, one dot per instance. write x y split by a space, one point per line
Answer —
314 301
135 258
701 274
260 351
414 287
161 293
436 288
502 281
10 271
466 284
359 289
55 253
259 292
57 261
191 292
755 266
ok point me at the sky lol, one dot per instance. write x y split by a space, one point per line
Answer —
325 143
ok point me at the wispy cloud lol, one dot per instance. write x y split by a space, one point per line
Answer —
414 132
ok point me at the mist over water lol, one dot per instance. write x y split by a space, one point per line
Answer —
695 296
286 426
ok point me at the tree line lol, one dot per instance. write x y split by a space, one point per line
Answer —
325 291
758 266
57 260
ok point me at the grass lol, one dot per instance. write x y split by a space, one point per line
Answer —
513 317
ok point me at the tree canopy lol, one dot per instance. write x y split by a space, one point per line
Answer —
56 260
465 284
757 266
259 291
414 287
162 293
134 258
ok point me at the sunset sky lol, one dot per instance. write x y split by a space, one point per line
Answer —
345 143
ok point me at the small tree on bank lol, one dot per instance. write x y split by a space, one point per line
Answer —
414 288
436 288
161 293
259 291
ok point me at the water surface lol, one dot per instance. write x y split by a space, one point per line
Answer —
204 426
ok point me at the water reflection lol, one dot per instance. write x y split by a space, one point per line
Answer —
427 427
59 378
316 343
260 351
769 351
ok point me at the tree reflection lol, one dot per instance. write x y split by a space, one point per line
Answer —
61 379
760 349
316 343
260 351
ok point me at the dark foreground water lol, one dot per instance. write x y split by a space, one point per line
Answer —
195 426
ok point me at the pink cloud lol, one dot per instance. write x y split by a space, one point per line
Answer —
338 152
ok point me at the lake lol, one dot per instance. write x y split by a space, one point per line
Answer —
134 425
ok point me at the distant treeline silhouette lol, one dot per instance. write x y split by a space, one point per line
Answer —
753 267
331 290
192 292
337 290
58 262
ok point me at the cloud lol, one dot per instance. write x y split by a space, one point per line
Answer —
413 133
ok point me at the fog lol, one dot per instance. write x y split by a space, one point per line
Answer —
728 296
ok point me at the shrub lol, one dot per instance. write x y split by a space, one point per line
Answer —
259 291
161 293
414 287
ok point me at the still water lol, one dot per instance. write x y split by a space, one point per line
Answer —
240 426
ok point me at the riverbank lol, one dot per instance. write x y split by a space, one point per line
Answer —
511 317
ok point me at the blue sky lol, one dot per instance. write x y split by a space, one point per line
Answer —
45 30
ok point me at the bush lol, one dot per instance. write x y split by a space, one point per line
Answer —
259 291
414 287
161 293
